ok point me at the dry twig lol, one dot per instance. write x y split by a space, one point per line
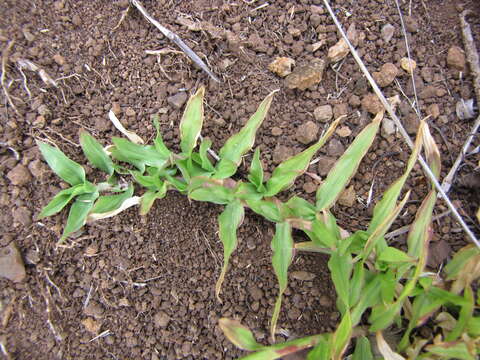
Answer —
5 54
473 59
400 127
174 37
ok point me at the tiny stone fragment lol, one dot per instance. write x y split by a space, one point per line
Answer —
91 325
11 263
176 101
387 32
411 24
161 319
307 132
323 113
281 153
456 58
408 65
338 51
305 76
19 175
434 111
386 75
309 187
130 112
276 131
302 275
59 59
347 197
282 66
388 127
335 148
344 131
372 104
325 163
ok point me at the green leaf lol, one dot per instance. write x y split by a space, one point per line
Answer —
341 268
342 335
363 349
107 203
452 350
389 199
239 335
454 268
321 235
229 221
310 246
282 247
473 327
78 213
237 145
301 208
393 255
370 297
150 196
377 236
268 209
61 165
95 153
321 351
205 161
419 236
62 198
256 171
343 170
285 174
216 194
247 191
158 142
281 350
357 283
138 155
148 181
466 313
192 122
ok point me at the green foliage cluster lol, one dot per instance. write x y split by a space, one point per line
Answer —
378 286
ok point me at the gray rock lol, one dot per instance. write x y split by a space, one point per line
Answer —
387 32
307 132
323 113
302 275
11 263
176 101
411 24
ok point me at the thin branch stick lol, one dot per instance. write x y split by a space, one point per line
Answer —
174 37
417 107
400 127
5 54
472 57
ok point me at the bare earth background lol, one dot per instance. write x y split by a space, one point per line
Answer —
148 282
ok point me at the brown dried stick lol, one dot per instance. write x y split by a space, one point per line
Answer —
400 127
174 37
473 60
5 54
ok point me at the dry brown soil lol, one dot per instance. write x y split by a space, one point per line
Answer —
148 282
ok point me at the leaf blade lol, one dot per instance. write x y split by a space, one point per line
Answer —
192 122
95 153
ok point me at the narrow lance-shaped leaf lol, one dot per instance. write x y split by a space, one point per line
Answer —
343 170
363 349
256 171
239 335
95 153
237 145
67 169
109 203
453 350
341 337
390 196
158 141
466 313
322 350
229 221
62 198
192 122
150 196
383 228
282 246
78 213
285 174
205 161
340 266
